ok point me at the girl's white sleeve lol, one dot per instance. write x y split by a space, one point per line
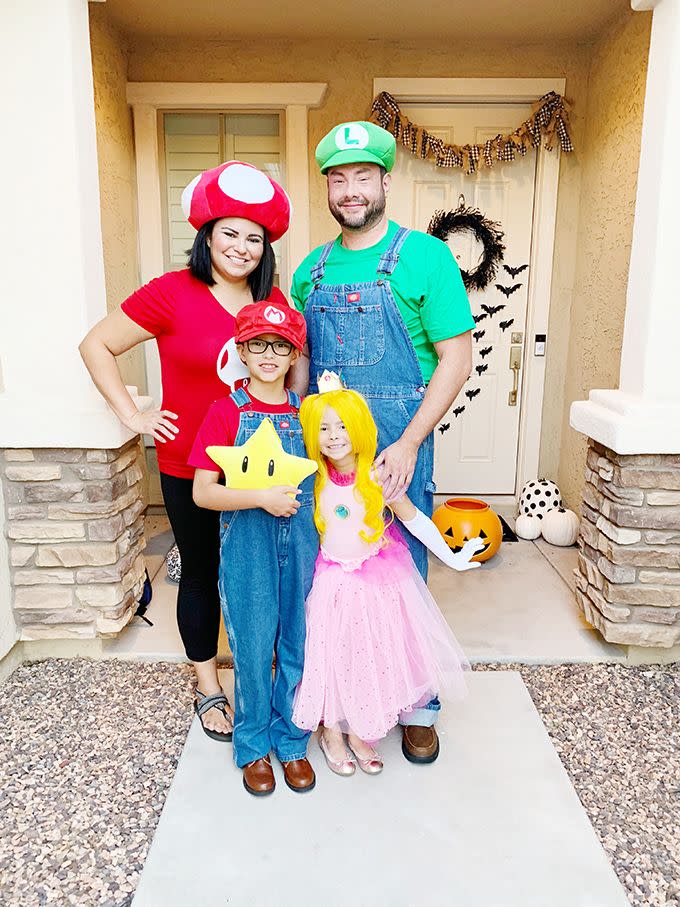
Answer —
422 528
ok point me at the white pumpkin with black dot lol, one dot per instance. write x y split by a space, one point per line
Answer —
560 527
539 497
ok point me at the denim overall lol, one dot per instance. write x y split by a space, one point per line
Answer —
357 330
266 569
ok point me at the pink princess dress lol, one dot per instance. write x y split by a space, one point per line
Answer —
377 644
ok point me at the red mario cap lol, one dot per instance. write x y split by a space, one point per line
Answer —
268 318
236 189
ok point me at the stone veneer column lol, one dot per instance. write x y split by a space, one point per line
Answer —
629 567
74 523
628 578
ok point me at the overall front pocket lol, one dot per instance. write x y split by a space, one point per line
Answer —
346 335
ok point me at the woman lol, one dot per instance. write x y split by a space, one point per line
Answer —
238 212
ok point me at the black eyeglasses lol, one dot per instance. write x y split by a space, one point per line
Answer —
280 347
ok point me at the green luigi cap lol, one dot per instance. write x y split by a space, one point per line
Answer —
356 143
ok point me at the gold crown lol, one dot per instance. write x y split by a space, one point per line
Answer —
329 381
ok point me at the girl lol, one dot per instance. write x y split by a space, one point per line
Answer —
377 645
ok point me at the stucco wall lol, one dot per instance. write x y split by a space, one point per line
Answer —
349 70
609 160
605 82
115 152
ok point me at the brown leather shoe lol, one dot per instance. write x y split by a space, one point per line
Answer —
258 777
420 744
299 775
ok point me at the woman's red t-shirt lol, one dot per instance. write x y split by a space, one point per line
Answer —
199 362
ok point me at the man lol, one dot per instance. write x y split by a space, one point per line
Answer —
386 308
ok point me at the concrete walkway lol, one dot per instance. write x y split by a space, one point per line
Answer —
494 822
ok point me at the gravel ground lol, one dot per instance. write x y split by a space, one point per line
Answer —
615 729
79 805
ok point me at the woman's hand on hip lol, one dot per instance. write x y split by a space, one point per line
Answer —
280 500
156 422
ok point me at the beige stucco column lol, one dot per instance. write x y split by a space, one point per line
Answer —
643 415
70 502
628 581
52 282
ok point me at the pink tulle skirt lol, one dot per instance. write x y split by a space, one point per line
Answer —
377 645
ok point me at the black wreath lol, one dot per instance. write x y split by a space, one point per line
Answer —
444 223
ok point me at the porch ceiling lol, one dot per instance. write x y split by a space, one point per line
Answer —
528 21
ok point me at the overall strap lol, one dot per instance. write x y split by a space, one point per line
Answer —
240 398
320 267
294 400
389 259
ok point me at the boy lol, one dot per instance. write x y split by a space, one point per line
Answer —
268 545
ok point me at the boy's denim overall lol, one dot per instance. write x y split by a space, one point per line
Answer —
266 569
357 330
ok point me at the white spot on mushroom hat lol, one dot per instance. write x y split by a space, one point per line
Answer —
237 189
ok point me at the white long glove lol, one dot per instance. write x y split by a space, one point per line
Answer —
426 532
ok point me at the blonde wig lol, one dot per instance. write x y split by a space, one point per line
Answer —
363 434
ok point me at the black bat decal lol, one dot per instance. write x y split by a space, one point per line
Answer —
445 426
472 394
458 410
480 369
508 291
478 335
479 318
506 324
485 351
492 309
513 272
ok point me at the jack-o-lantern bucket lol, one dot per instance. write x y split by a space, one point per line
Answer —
462 519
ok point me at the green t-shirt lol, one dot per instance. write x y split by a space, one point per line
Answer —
426 285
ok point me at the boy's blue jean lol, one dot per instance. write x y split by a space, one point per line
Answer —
266 570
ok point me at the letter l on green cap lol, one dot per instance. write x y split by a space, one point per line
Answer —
356 142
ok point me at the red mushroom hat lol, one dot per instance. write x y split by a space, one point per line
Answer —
236 189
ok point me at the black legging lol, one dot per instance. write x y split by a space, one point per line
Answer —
197 535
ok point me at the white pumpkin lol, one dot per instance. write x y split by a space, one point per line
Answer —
560 527
527 527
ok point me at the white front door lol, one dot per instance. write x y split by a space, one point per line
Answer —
477 440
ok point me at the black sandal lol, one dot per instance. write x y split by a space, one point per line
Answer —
215 701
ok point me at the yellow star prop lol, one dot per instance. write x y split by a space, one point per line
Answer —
261 462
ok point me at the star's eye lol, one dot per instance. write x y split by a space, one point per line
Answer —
244 465
270 468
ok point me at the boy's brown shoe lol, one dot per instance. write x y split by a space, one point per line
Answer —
299 775
258 777
420 744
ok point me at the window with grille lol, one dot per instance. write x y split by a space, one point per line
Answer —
193 142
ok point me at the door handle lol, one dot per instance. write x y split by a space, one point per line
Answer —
515 366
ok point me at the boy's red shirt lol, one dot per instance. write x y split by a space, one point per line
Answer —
220 427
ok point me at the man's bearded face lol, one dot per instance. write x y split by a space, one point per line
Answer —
356 195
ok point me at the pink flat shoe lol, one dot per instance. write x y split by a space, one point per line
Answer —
345 767
372 766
